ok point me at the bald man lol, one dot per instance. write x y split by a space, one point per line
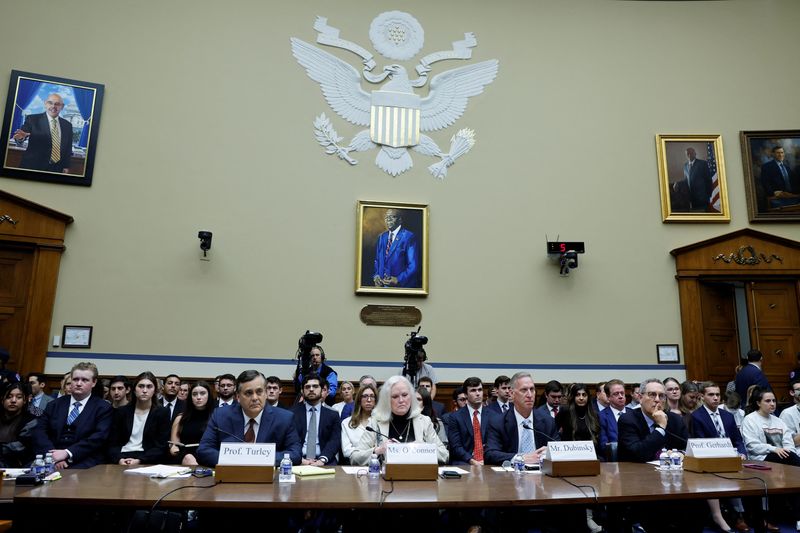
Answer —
49 138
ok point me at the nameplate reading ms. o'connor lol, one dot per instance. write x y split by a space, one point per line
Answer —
391 315
246 454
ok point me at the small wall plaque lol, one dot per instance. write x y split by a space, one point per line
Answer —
391 315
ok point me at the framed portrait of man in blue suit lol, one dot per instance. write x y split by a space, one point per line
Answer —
392 250
771 161
50 128
691 172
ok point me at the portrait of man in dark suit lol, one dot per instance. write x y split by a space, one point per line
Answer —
49 138
779 180
693 192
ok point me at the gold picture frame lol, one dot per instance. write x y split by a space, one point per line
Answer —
768 197
696 191
396 265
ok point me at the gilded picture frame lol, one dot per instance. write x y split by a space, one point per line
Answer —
396 264
692 180
773 194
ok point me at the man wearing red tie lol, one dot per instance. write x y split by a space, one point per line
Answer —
467 428
553 392
396 255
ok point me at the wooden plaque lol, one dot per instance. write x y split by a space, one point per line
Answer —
406 316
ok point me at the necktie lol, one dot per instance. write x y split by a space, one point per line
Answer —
555 411
505 408
55 139
718 425
477 453
526 443
785 177
76 410
311 440
250 434
388 244
169 406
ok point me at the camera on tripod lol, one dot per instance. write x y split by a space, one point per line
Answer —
413 346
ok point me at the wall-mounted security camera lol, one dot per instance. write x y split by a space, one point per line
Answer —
565 253
205 241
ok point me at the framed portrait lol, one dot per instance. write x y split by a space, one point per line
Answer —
691 177
392 249
771 161
50 128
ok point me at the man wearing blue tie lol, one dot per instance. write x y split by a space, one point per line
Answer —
779 181
75 427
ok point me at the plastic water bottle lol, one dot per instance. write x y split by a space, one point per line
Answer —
676 459
664 460
38 466
518 462
49 465
374 467
285 472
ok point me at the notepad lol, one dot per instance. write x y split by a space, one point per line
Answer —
309 471
160 471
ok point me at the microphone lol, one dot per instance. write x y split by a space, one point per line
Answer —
228 433
373 430
526 426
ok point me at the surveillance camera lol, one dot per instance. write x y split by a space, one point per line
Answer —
569 260
205 241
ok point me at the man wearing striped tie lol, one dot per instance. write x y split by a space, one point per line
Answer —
397 257
49 138
75 427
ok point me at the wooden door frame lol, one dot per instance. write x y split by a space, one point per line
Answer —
743 255
26 223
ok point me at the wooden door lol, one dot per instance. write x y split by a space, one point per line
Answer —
16 268
720 334
774 321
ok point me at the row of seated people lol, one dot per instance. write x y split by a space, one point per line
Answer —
82 430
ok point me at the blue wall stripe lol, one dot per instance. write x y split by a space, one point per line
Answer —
337 362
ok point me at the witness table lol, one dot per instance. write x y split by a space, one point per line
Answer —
108 485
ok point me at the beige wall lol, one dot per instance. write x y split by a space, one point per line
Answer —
207 124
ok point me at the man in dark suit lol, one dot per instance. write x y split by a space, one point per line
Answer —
693 192
75 427
751 374
615 392
467 445
39 399
49 138
521 430
318 426
780 183
502 387
226 392
252 420
175 406
397 261
459 401
644 432
708 420
553 392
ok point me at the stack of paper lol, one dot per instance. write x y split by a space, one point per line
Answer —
308 470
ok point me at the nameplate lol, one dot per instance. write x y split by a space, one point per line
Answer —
578 450
411 453
710 448
246 454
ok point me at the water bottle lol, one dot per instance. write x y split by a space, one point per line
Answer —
374 467
664 460
518 462
285 472
49 465
676 459
38 466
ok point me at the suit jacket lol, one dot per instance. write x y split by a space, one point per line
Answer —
638 445
545 410
329 434
772 178
749 375
608 427
502 442
699 183
402 262
234 405
180 405
703 427
86 439
423 432
494 407
461 435
37 155
154 438
226 425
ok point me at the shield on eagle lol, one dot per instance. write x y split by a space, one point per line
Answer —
394 118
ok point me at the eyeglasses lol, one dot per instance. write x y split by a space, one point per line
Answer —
368 397
656 395
673 389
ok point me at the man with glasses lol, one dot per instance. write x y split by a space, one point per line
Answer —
644 432
49 138
791 415
552 398
227 390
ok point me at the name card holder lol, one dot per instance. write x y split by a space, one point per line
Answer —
576 458
413 461
245 463
711 455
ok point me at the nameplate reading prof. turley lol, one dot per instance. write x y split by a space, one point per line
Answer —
246 454
391 315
